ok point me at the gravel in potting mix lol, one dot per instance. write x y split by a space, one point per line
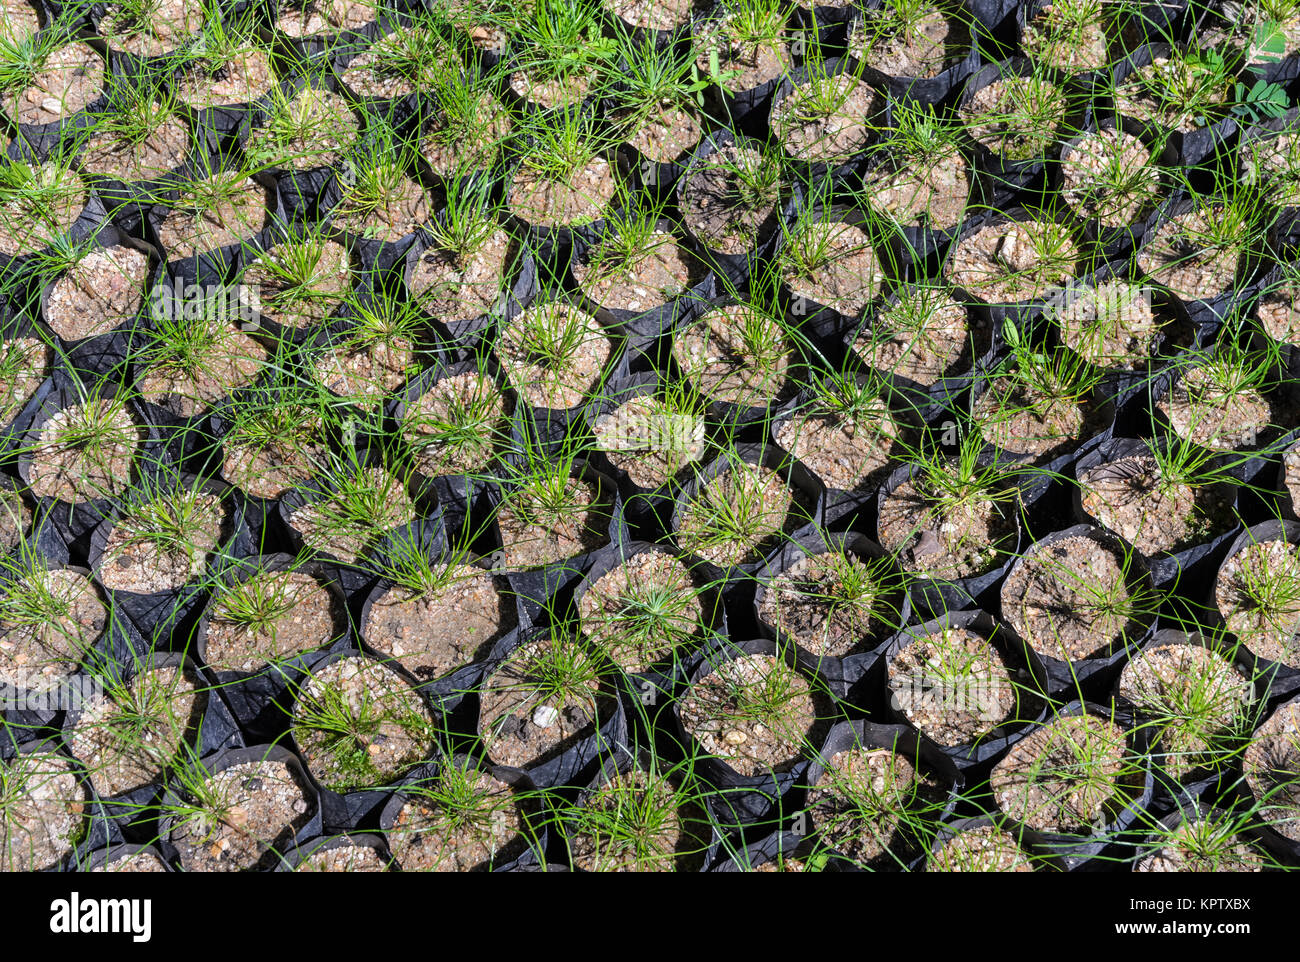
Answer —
460 286
303 20
1007 262
944 541
659 271
271 616
845 452
137 862
533 534
1111 325
642 611
579 197
126 738
743 65
280 298
344 858
243 77
1198 699
754 712
84 452
1271 162
474 827
48 622
1260 572
112 154
723 355
1109 176
845 272
1271 764
1056 598
921 52
866 802
450 146
1066 777
322 129
358 724
457 425
832 604
164 27
632 438
333 526
102 290
566 89
554 354
246 812
42 805
1130 497
142 556
665 134
188 381
716 207
69 79
1015 414
1015 118
403 207
735 511
1174 257
241 210
637 823
953 686
24 362
45 208
1200 408
922 192
1196 846
808 133
920 337
1147 94
653 14
1278 310
400 63
19 20
266 463
983 849
362 368
543 699
1054 36
429 633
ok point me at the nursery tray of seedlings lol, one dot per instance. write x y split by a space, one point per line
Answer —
606 435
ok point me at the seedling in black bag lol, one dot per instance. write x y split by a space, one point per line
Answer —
1209 840
656 77
632 234
644 819
1051 374
342 730
35 603
1270 585
767 700
879 807
23 57
27 828
468 218
1078 777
